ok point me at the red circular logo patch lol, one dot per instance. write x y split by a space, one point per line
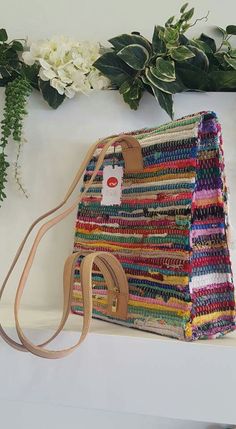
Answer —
112 182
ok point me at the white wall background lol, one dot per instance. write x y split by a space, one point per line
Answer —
100 20
57 141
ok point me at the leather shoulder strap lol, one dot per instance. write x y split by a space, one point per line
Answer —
127 143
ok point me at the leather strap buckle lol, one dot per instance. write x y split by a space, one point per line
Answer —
117 305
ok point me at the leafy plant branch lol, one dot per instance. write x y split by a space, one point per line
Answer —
170 63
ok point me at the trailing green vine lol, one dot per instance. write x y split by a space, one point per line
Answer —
16 77
17 169
17 93
3 174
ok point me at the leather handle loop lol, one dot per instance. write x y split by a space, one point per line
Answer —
132 153
108 265
128 144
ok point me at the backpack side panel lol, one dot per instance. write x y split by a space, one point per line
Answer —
211 283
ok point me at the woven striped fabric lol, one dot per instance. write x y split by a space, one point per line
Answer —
169 233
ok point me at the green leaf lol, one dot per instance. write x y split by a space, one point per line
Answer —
5 73
185 27
171 35
31 74
50 94
133 104
209 41
155 71
181 53
17 46
230 61
231 29
201 45
158 44
136 56
119 42
3 35
219 56
188 15
4 81
192 77
125 87
12 57
165 100
164 70
199 59
183 40
114 68
168 87
166 67
223 79
134 94
185 5
169 21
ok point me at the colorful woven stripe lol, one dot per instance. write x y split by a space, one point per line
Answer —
169 233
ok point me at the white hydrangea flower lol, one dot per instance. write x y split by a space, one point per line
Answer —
58 85
46 74
67 64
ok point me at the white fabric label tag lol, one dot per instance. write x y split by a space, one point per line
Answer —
111 185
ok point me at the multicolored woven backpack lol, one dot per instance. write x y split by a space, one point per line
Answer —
168 232
150 247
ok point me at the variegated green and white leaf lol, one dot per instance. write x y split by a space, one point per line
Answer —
181 53
136 56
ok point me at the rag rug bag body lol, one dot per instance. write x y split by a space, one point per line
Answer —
168 231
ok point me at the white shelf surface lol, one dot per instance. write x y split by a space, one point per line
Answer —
119 369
